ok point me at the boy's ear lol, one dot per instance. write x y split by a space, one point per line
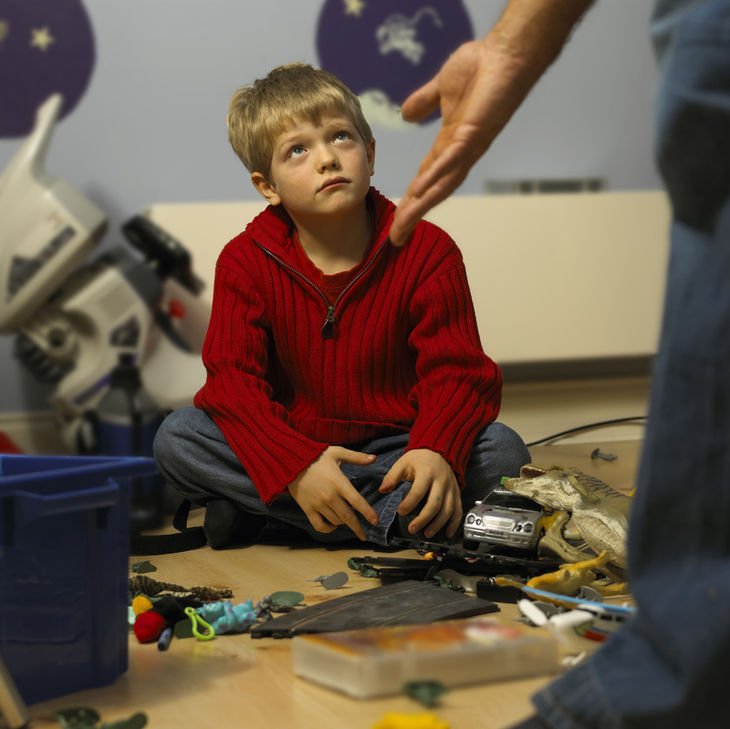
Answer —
371 156
266 189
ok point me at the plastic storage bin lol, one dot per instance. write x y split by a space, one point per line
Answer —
64 546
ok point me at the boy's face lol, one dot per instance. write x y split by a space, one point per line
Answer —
318 169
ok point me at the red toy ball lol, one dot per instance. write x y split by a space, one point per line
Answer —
148 626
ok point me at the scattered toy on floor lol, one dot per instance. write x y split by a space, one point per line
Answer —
408 601
571 576
457 581
141 604
162 617
598 453
505 520
390 569
427 693
183 629
155 620
141 568
333 581
149 586
410 721
163 642
225 617
202 630
570 628
148 626
609 616
598 511
86 718
283 601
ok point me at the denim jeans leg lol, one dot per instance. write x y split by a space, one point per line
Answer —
367 480
497 451
194 457
668 667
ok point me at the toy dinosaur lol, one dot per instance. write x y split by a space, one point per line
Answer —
599 512
571 577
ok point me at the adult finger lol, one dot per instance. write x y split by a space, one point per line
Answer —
439 176
422 102
432 186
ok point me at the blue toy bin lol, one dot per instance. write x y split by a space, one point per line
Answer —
64 550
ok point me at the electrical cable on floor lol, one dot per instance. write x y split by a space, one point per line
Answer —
589 426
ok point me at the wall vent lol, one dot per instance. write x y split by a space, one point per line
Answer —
544 186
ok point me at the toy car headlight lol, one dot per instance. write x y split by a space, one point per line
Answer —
470 518
527 527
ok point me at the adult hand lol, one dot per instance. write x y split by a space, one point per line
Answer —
429 473
326 495
468 90
478 89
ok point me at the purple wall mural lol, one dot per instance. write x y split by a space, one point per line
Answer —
384 49
46 46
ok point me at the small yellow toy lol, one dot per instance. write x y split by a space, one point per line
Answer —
141 604
410 721
572 576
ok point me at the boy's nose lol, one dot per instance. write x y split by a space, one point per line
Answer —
328 161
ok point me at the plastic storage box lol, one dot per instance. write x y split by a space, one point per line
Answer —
64 546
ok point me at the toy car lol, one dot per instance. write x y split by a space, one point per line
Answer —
504 519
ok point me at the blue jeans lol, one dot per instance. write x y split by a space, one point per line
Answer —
668 667
194 457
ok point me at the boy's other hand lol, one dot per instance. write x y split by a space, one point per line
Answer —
429 473
326 495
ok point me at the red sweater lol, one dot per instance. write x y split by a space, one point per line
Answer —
289 374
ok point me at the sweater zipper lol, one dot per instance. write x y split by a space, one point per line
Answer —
328 327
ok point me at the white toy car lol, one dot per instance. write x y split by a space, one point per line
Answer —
504 519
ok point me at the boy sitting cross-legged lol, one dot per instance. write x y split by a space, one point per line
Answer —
346 383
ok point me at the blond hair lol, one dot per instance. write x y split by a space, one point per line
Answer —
259 113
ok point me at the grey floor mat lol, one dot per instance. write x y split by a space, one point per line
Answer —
410 602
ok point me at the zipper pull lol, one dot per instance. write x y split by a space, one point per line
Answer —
328 328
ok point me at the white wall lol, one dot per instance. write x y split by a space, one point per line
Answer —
554 278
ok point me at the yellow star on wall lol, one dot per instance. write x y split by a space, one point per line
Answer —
354 7
41 38
4 27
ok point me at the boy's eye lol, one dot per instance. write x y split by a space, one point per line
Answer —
342 135
296 150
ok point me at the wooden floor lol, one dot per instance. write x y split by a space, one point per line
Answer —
234 681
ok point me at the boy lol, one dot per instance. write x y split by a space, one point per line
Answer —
346 383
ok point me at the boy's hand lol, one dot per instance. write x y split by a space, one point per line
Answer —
429 474
326 495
